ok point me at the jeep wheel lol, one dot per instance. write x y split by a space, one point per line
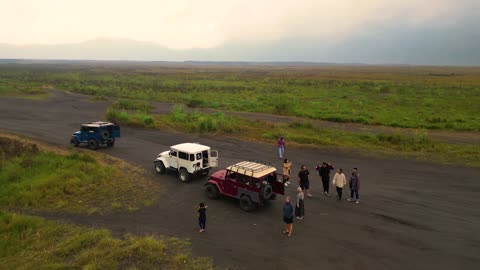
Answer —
212 191
159 167
184 175
74 142
92 144
111 143
266 192
246 203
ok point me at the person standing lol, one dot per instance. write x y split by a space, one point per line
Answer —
303 180
324 172
339 181
202 216
287 167
281 147
288 216
354 184
300 207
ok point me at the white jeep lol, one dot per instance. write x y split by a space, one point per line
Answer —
187 159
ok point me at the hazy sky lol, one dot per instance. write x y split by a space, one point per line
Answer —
194 24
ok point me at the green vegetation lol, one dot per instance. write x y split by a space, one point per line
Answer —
41 177
197 122
75 182
418 145
32 243
131 113
23 90
417 97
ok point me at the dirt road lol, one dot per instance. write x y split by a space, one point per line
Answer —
412 215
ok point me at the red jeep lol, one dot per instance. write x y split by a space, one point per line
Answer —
253 183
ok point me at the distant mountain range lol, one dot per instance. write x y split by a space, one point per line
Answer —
425 47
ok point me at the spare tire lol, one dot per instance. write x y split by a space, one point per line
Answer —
266 192
105 135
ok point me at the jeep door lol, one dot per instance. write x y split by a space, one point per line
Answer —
173 159
213 158
116 131
277 185
230 186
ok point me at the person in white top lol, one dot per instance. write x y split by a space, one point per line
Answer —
339 181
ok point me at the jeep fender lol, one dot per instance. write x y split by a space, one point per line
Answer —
164 160
212 182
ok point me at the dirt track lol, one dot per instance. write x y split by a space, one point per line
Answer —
412 215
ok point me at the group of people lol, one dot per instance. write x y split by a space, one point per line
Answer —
324 170
289 211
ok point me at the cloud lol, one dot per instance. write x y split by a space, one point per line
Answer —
183 24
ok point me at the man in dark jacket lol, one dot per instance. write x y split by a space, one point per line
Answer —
354 186
324 172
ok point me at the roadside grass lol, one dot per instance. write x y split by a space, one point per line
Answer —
32 91
69 181
198 122
413 97
128 112
32 243
304 133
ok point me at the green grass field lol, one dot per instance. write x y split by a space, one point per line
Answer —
72 182
32 243
41 177
416 97
415 146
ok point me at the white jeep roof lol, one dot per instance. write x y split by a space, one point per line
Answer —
190 147
97 124
254 169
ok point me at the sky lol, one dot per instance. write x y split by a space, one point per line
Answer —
370 31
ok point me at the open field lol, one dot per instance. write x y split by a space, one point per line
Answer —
40 178
417 97
412 215
32 243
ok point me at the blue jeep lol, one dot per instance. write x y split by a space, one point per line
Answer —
95 134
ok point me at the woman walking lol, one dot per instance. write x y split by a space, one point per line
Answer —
339 181
288 216
300 207
281 147
287 167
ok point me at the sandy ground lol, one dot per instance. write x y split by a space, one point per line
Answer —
412 215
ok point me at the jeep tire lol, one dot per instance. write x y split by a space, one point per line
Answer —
266 192
74 142
160 167
246 203
111 143
212 191
92 144
184 175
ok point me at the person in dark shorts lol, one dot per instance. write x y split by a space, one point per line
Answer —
324 172
202 216
303 180
288 216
